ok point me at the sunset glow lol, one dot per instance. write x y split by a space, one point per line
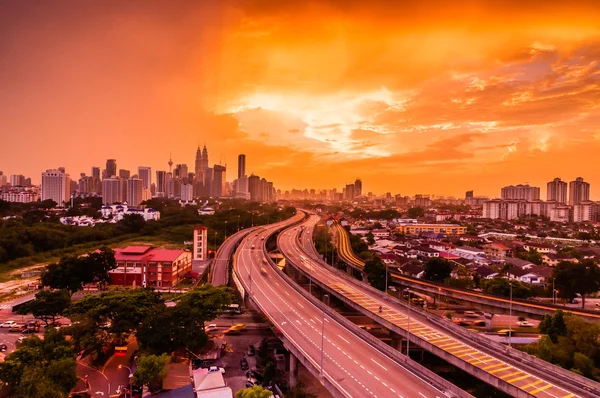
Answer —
412 97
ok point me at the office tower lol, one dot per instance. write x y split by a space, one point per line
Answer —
204 160
208 182
198 165
254 188
579 191
557 191
134 191
241 166
469 195
111 191
187 192
123 190
111 168
349 192
161 183
56 185
181 172
124 173
357 188
17 180
96 172
3 180
218 180
145 174
520 192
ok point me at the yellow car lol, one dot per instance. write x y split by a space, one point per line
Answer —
239 326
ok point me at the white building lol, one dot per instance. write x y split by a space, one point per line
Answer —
187 192
118 211
20 196
56 185
111 191
585 211
200 243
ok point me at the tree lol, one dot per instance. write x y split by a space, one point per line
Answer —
416 212
572 278
132 223
370 238
554 325
299 391
253 392
41 368
48 305
437 269
377 225
151 371
501 287
376 270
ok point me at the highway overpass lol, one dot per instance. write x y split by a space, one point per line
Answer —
509 370
481 300
219 271
347 360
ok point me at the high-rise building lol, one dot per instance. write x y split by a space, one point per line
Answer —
200 243
241 166
349 192
187 192
198 165
111 191
557 191
145 174
161 183
96 172
469 194
56 185
208 182
111 168
124 173
134 191
3 180
579 191
520 192
204 160
254 188
357 188
17 180
218 180
181 172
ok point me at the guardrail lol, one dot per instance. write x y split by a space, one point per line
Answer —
429 376
515 357
235 236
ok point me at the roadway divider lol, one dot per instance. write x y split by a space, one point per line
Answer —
220 249
510 355
422 372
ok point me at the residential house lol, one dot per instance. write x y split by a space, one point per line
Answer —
539 247
496 250
426 252
486 273
412 269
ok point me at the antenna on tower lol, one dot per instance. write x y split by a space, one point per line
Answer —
170 162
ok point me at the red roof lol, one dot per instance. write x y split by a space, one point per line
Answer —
200 228
137 253
165 255
449 256
135 249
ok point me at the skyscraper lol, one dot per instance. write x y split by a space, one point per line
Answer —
469 194
198 164
523 192
579 191
557 191
124 173
161 183
218 180
349 191
111 168
204 160
241 166
96 172
208 182
134 191
111 191
145 174
56 185
357 188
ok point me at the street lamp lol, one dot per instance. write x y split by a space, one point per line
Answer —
408 330
130 378
238 227
510 315
225 230
215 244
386 278
325 296
439 297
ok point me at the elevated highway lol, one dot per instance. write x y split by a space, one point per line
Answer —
219 272
484 301
345 358
509 370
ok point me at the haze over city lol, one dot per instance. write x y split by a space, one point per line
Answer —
411 98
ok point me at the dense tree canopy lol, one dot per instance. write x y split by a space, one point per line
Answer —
501 287
48 305
151 371
573 278
376 270
437 269
253 392
416 212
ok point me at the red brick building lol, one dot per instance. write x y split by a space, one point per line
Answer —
146 266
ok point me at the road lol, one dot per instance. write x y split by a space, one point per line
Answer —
219 274
353 366
346 254
301 255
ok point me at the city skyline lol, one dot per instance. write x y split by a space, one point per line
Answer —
408 97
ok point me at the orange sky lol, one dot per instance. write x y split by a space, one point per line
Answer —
411 96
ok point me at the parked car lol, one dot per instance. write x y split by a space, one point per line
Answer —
471 314
244 364
8 324
28 331
251 351
216 369
19 340
211 328
17 329
525 324
3 347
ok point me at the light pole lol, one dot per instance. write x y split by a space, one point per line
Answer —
408 330
553 292
439 296
325 296
130 378
238 227
215 244
510 315
225 231
386 278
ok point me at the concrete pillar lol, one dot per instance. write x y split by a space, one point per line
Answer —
396 342
348 269
293 370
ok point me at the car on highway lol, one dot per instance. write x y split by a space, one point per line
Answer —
505 332
252 247
239 326
263 271
211 327
244 364
471 314
478 323
525 324
232 331
8 324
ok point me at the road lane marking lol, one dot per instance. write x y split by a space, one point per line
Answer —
518 378
383 367
547 386
340 336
